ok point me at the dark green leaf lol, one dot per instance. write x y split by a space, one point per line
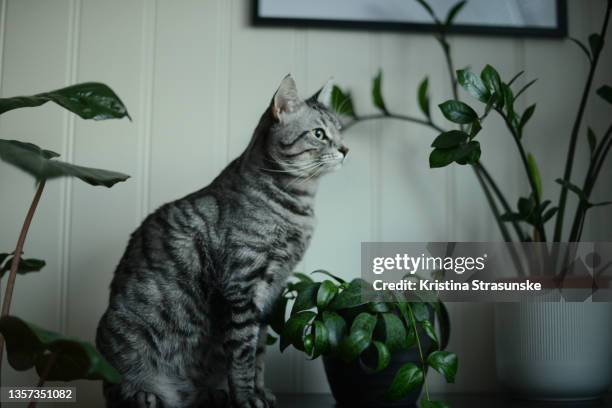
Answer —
511 217
445 363
458 112
473 85
468 153
336 328
596 43
425 403
420 311
341 102
394 331
302 277
378 307
582 47
354 344
606 93
523 89
320 339
293 332
39 163
535 175
25 265
29 346
450 139
452 13
270 340
526 116
508 99
377 97
549 214
430 331
526 206
351 296
441 157
407 378
306 297
429 10
475 128
364 322
423 97
89 100
338 279
443 323
277 315
514 78
378 354
490 77
592 140
326 293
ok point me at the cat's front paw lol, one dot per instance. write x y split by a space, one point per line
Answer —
256 400
268 396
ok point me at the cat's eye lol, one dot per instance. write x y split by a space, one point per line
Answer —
319 134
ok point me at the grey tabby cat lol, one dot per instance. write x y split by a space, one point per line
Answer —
190 296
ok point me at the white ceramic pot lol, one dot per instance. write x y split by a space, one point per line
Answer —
554 351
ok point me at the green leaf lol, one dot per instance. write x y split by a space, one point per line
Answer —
514 78
327 291
549 214
394 331
378 354
490 77
475 128
441 157
596 43
443 323
40 163
523 89
526 116
342 102
445 363
336 328
338 279
511 217
429 10
425 403
535 175
468 153
430 331
320 339
378 307
592 140
526 206
293 332
31 346
423 97
452 13
605 92
25 265
277 315
354 344
473 85
270 339
302 277
377 97
306 297
420 311
450 139
508 99
458 112
90 100
582 47
407 379
351 296
364 322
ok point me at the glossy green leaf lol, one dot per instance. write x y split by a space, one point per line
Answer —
490 77
89 100
378 307
351 296
475 128
365 322
337 278
458 112
25 265
515 77
41 164
293 331
420 311
270 340
277 315
468 153
327 291
443 320
320 339
592 138
452 138
526 116
354 344
508 96
430 331
473 85
306 297
535 175
596 43
394 331
377 97
605 92
425 403
452 13
441 157
408 378
526 206
376 358
336 328
31 346
423 97
302 277
342 102
445 363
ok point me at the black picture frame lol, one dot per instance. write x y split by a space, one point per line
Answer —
560 31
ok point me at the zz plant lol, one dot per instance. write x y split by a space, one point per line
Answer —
54 356
495 95
335 318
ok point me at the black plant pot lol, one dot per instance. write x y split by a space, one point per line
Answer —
351 386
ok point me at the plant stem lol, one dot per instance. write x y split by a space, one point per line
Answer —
492 205
421 355
44 375
10 284
574 135
393 116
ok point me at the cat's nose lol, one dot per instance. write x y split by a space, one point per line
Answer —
344 150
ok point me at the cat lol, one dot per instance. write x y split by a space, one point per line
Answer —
191 294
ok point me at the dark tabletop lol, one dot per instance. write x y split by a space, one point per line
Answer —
454 400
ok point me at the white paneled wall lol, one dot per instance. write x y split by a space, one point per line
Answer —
196 76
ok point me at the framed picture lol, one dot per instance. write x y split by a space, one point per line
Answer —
536 18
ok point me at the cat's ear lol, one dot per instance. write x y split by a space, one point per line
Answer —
286 99
324 95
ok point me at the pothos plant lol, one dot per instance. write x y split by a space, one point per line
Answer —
499 96
54 356
348 320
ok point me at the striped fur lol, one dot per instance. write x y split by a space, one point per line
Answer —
190 296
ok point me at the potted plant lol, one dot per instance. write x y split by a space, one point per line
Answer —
543 350
376 353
